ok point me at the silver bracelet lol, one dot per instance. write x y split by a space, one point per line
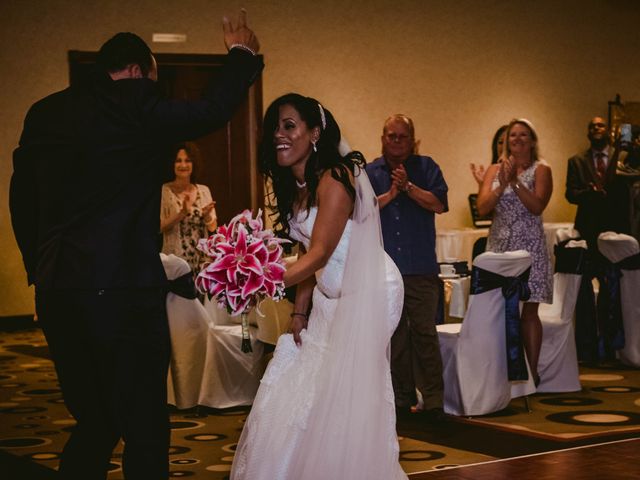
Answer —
242 46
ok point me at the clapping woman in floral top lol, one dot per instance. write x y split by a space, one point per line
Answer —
187 212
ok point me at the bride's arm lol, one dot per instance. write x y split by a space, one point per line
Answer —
334 208
299 317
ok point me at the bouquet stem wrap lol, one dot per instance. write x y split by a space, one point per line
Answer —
246 339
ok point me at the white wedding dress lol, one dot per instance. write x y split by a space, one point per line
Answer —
325 410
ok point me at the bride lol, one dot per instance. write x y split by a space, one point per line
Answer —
325 407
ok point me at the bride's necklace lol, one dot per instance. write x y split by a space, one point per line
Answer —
301 185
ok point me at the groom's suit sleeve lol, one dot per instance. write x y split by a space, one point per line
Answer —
180 120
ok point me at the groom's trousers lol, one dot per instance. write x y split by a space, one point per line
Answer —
111 352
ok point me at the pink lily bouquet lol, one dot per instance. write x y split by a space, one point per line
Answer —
246 267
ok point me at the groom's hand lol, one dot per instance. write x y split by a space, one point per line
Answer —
240 34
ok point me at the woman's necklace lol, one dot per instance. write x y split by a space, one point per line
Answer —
181 189
301 185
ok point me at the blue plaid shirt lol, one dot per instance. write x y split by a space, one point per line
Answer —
409 230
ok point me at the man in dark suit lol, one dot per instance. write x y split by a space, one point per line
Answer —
85 203
593 186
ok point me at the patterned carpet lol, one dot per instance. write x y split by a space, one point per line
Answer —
35 423
609 404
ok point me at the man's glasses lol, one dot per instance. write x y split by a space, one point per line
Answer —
395 137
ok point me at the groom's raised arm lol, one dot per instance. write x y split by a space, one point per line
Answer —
185 120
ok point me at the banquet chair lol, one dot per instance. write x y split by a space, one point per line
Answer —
231 377
208 367
624 254
188 329
558 362
474 353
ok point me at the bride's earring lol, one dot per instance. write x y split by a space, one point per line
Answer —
315 148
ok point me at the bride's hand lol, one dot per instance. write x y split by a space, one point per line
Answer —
298 323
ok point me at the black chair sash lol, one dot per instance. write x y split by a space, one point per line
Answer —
183 286
514 289
580 261
570 260
611 327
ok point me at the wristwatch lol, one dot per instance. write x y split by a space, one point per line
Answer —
408 187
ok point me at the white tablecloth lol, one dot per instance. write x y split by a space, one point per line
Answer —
457 243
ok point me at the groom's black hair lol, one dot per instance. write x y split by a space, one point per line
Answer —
124 48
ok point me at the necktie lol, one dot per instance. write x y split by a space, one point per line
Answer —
600 167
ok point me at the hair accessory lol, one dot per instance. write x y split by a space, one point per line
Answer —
301 185
323 118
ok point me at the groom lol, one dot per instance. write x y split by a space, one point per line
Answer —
85 203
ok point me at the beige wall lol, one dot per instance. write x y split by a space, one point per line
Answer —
460 69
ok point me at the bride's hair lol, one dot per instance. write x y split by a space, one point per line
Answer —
327 157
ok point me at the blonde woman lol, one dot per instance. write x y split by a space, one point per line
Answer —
517 190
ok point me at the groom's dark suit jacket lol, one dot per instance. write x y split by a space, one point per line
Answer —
85 192
596 212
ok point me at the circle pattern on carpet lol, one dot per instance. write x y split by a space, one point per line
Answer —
218 468
43 456
184 461
26 426
596 418
420 455
178 450
185 425
41 391
570 401
205 437
23 410
181 473
600 377
23 442
616 389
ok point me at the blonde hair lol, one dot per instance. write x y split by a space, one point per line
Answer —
506 151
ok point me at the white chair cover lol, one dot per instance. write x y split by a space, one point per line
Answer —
558 362
617 247
188 328
231 377
207 366
474 352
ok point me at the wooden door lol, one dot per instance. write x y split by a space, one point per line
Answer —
229 166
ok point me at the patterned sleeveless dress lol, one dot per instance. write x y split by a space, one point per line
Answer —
516 228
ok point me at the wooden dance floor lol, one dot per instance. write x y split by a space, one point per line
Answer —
611 461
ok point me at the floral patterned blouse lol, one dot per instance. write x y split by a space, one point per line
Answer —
182 238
